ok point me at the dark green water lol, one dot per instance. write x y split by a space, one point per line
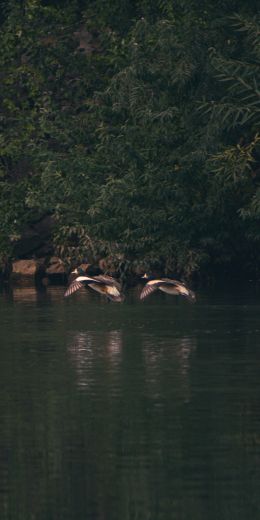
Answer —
139 411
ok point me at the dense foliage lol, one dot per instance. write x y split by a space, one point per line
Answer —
135 125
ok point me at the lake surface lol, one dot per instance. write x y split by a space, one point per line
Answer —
136 411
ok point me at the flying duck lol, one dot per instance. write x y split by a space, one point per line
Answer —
168 286
103 284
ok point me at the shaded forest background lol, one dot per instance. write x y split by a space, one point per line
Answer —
133 125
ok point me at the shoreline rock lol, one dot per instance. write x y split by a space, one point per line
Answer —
35 271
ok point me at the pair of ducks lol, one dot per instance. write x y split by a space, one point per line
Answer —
109 287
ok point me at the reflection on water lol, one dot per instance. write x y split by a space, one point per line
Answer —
21 293
31 293
25 294
129 412
86 346
172 356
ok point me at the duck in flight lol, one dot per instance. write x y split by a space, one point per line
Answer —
167 285
103 284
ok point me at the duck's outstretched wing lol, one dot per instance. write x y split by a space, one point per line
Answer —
108 286
79 282
73 287
177 288
107 280
169 286
149 288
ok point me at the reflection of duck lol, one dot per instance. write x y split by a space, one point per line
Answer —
168 286
85 347
103 284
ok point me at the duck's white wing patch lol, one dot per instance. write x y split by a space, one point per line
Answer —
105 285
173 287
149 288
183 290
156 281
73 287
181 287
84 279
177 288
188 293
113 290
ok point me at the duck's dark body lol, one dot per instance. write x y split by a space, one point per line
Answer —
168 286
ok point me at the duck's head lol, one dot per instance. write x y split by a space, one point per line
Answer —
78 271
152 276
87 269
